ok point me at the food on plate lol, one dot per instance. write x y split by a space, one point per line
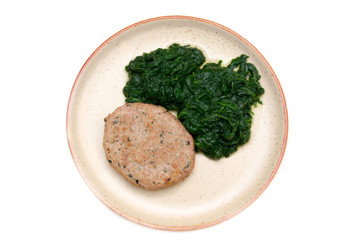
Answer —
213 102
148 145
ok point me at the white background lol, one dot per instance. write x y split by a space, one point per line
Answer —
314 48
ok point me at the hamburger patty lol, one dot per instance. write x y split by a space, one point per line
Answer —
148 146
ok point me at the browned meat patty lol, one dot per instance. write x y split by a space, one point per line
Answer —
148 146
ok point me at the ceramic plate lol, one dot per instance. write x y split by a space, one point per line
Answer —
215 190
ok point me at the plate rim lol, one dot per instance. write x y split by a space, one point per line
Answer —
199 226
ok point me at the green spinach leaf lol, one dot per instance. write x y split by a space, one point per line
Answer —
213 102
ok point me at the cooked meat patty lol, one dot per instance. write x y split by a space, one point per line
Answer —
148 146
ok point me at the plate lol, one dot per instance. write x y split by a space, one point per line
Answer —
215 190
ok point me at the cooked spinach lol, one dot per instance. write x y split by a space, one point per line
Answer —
212 102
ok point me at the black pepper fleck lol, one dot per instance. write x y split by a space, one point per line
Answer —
187 165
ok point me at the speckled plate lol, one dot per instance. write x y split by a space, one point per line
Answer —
215 190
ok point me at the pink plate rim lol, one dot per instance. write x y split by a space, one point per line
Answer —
176 228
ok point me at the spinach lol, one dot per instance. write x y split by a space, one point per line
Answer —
212 102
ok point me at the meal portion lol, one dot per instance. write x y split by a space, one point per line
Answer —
152 148
148 145
212 102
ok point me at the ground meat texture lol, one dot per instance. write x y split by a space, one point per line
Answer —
148 146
